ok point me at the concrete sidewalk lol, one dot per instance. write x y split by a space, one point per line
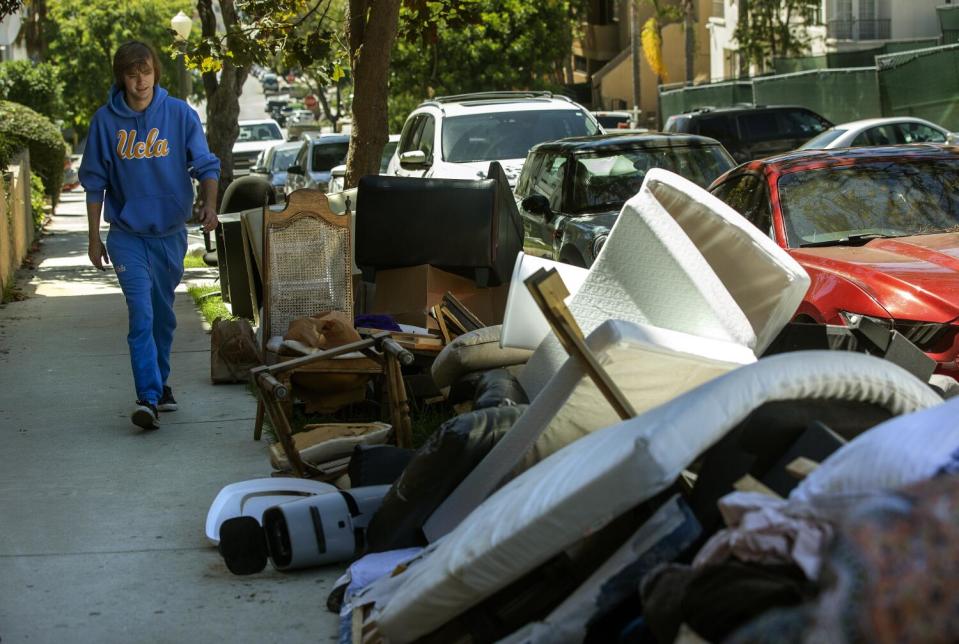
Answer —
102 524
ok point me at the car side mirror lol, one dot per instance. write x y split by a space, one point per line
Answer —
413 159
295 169
537 204
952 138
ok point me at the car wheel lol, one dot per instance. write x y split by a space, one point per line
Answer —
572 257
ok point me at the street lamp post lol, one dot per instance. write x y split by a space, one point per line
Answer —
182 24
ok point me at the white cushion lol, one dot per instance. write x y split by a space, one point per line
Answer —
900 451
764 280
584 486
477 350
524 326
649 272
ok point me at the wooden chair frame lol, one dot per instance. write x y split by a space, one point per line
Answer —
273 392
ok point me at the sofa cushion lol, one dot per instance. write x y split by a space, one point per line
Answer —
474 351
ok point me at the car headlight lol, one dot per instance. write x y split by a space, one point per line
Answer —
598 244
853 319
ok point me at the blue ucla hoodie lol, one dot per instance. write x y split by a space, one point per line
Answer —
142 162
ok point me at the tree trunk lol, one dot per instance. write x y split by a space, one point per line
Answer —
372 30
744 54
222 96
690 40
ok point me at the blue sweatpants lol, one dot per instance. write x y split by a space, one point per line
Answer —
149 270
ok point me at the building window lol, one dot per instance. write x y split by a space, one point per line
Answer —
580 64
719 8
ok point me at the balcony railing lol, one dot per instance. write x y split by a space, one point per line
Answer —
872 29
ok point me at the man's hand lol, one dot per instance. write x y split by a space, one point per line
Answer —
208 218
97 253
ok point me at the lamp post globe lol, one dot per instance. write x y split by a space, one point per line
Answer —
181 24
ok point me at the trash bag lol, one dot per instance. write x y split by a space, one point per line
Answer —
437 468
498 388
232 351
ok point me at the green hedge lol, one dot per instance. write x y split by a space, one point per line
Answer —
21 127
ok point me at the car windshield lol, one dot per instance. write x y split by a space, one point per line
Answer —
388 151
259 132
840 206
283 159
605 180
509 135
820 141
328 155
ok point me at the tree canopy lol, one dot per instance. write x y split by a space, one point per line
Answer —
36 85
768 29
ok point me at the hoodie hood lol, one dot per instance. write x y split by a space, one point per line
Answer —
118 105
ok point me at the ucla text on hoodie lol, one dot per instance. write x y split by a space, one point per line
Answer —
139 164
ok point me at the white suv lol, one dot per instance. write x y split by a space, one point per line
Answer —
255 136
456 137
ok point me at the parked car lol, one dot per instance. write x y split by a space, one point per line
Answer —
875 228
571 191
613 120
71 166
457 136
338 174
884 131
296 117
274 162
255 136
320 154
270 82
752 132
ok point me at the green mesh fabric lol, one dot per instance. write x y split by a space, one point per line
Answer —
840 95
922 83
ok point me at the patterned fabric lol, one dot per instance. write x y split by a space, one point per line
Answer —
892 575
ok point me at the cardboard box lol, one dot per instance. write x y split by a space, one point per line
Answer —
408 294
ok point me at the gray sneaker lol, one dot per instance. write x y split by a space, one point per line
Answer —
145 415
167 402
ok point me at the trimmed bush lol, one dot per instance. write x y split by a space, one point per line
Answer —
36 201
36 85
21 127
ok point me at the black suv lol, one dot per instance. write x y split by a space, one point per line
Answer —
752 132
571 190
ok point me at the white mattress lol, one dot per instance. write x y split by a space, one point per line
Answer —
584 486
766 282
649 365
650 272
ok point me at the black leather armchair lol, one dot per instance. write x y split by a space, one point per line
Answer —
468 227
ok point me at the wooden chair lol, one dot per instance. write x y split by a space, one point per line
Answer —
307 270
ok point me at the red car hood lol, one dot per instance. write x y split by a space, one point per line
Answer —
913 278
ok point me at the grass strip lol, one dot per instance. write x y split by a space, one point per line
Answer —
208 300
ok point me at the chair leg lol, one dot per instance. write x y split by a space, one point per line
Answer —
399 405
258 423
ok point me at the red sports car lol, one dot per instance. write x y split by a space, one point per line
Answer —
876 228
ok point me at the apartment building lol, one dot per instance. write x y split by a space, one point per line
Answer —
841 25
602 57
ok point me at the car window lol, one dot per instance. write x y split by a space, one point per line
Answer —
822 140
301 156
549 180
509 135
721 128
677 124
919 133
879 135
746 194
283 159
426 136
530 168
259 132
882 198
605 180
800 124
408 135
760 126
328 155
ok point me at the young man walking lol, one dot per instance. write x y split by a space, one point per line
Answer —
142 149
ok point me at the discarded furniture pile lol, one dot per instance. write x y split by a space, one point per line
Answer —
648 451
